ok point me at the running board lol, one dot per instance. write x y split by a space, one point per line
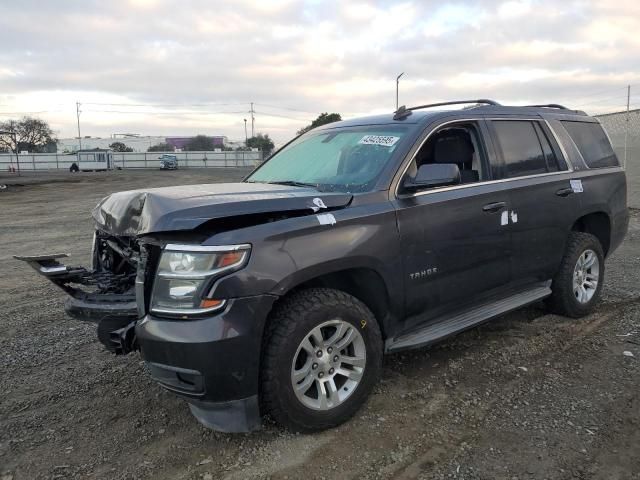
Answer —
445 327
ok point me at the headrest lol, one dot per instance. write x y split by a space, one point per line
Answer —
453 146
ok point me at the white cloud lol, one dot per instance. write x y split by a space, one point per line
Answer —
304 57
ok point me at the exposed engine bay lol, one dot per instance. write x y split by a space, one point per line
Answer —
105 294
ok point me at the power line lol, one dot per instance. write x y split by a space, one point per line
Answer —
282 116
608 99
170 112
28 113
163 104
596 94
284 108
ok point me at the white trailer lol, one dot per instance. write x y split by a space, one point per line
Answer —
93 160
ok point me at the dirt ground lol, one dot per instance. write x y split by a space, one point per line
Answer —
529 395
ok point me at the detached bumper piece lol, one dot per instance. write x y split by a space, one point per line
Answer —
237 416
100 297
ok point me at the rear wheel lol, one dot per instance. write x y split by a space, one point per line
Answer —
578 283
323 355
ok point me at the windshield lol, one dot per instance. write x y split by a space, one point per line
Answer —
348 160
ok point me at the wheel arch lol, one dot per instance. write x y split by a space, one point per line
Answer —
364 283
597 224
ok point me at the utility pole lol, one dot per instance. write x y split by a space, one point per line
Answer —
245 133
253 133
397 88
78 116
15 142
626 130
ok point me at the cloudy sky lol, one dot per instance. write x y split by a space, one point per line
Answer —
188 67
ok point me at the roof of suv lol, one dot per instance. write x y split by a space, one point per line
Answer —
424 114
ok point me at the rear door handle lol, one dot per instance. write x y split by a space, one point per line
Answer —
564 192
494 207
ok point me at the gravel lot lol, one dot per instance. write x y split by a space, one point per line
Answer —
529 395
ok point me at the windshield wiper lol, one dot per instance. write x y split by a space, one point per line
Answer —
294 183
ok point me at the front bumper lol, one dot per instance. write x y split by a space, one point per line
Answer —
213 362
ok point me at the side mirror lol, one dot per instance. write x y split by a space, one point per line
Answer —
432 175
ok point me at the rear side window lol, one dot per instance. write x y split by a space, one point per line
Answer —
525 148
592 143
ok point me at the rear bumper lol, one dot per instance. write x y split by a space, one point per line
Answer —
212 362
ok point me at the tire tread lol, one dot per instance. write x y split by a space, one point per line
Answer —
284 321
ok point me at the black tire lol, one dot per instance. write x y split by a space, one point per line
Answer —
74 168
563 300
291 321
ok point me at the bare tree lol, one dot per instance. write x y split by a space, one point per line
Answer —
30 134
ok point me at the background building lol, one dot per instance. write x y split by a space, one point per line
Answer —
138 143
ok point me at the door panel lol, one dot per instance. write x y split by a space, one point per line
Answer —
542 202
453 248
545 215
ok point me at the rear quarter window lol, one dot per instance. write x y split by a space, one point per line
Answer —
593 144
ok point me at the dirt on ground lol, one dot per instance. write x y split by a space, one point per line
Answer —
527 396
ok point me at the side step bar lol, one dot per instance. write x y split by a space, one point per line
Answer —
445 327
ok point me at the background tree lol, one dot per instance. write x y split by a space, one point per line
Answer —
31 134
200 143
162 147
120 147
322 119
262 143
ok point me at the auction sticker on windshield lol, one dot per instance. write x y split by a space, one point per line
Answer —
384 140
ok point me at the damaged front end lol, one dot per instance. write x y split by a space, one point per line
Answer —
107 293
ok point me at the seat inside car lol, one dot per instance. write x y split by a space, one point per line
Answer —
455 146
452 145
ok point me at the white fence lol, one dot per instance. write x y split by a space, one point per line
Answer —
59 161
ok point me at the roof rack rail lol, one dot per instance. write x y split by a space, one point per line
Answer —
404 111
549 105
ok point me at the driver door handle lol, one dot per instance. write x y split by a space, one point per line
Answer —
494 207
564 192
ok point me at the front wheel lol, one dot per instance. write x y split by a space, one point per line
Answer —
578 283
323 355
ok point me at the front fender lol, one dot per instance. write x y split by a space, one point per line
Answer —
292 251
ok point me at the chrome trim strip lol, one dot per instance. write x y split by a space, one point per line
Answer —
176 247
487 182
477 184
188 311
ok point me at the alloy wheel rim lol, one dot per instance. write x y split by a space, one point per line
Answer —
328 365
585 276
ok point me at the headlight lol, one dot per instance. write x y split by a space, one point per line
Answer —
185 273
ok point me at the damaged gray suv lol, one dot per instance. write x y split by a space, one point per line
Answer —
279 295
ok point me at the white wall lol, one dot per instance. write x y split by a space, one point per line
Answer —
58 161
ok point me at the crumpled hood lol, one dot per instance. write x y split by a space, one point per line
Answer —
138 212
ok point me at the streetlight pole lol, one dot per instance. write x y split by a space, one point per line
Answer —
246 139
397 88
78 115
253 119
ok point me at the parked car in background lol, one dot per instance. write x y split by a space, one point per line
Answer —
168 162
279 295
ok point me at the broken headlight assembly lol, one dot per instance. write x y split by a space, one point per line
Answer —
185 274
